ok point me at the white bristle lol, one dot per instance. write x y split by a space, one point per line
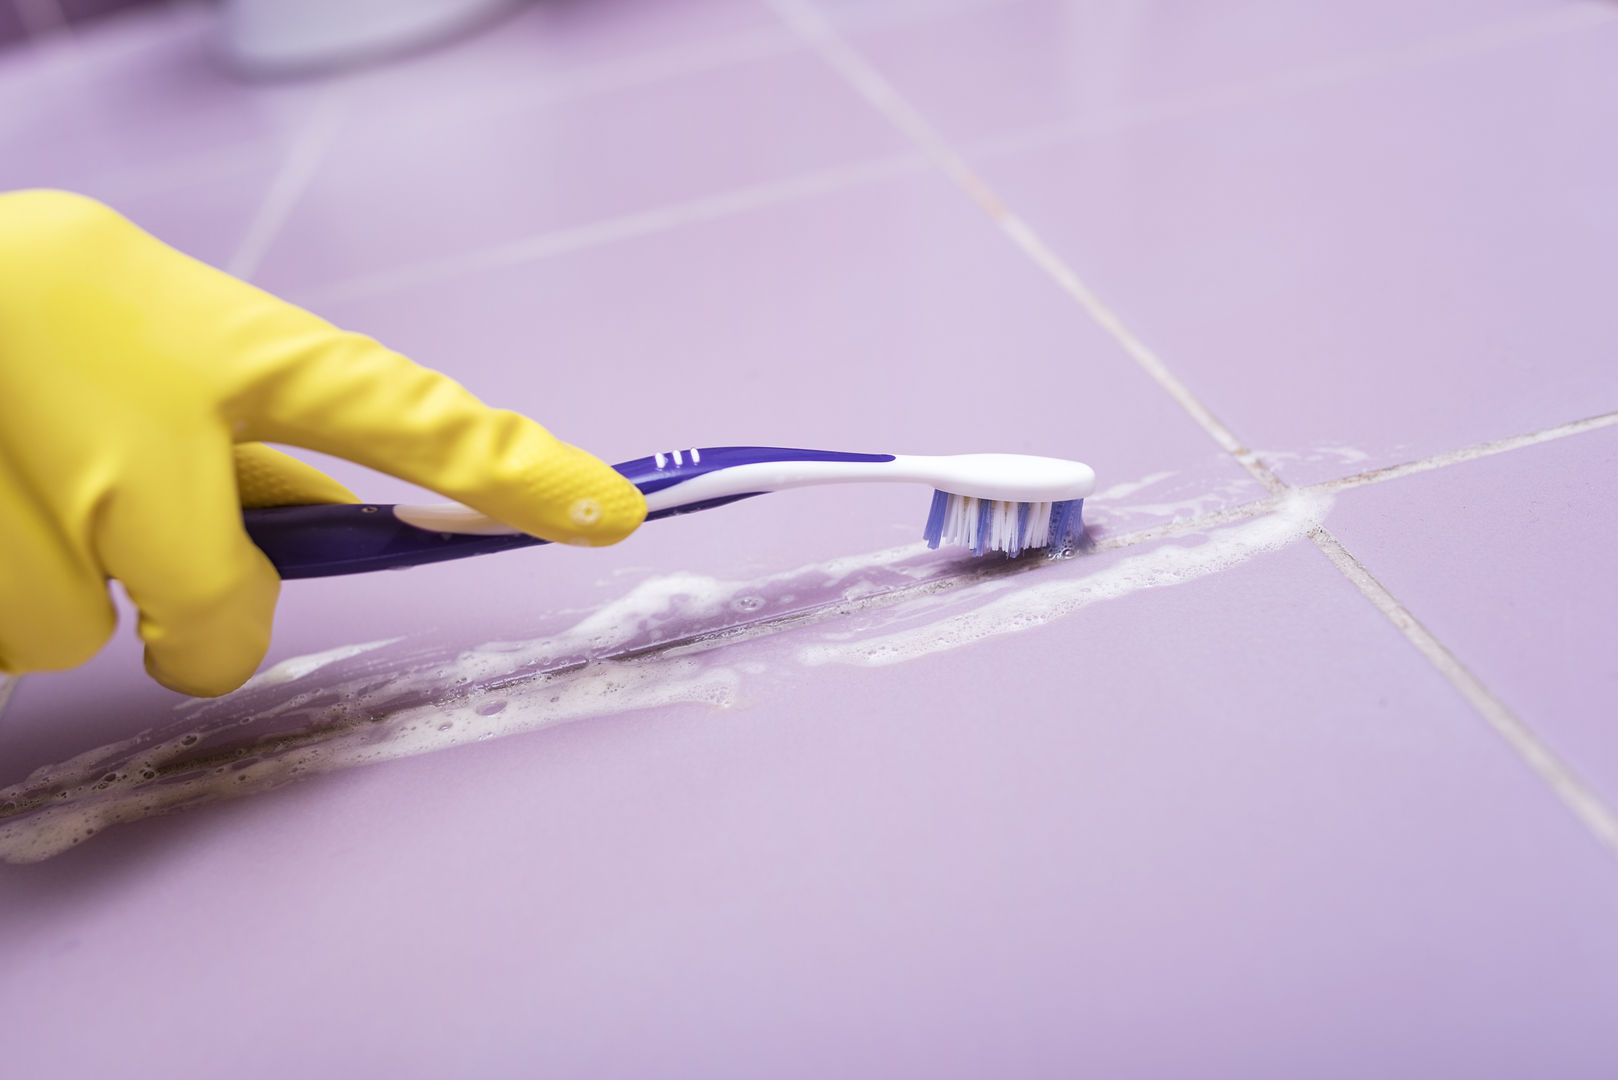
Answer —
998 525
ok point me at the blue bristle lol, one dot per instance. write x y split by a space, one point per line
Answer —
1067 522
1020 537
982 525
934 532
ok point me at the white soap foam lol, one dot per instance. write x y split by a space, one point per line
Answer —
1172 495
299 666
1129 487
1032 603
1332 455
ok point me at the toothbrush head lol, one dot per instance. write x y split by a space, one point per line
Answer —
982 525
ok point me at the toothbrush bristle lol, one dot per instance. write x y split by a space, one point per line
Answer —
995 525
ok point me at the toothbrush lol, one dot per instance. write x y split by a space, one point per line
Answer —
985 502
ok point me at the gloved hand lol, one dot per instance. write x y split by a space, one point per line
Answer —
135 383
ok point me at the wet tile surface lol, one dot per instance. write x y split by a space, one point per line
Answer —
771 791
880 870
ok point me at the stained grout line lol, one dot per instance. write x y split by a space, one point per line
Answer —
1578 798
1467 453
870 84
288 186
1477 41
881 95
549 244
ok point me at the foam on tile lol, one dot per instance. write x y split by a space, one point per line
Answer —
299 666
422 703
1176 496
1037 602
148 783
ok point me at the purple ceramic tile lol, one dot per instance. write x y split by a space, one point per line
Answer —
1258 821
401 191
979 69
1368 272
840 810
1507 560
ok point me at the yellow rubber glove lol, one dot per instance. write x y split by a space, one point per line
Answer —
135 384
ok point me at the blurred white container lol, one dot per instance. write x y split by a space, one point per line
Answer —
287 36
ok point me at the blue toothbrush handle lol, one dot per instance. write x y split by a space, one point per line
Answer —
322 541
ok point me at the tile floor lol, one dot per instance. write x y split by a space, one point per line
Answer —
1305 768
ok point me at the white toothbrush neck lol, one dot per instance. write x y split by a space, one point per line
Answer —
1011 477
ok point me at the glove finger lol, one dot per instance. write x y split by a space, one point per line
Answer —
344 394
54 608
266 477
172 533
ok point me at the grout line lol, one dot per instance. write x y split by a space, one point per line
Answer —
1369 478
1584 804
870 84
1467 453
548 244
1493 37
288 185
1035 248
8 686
